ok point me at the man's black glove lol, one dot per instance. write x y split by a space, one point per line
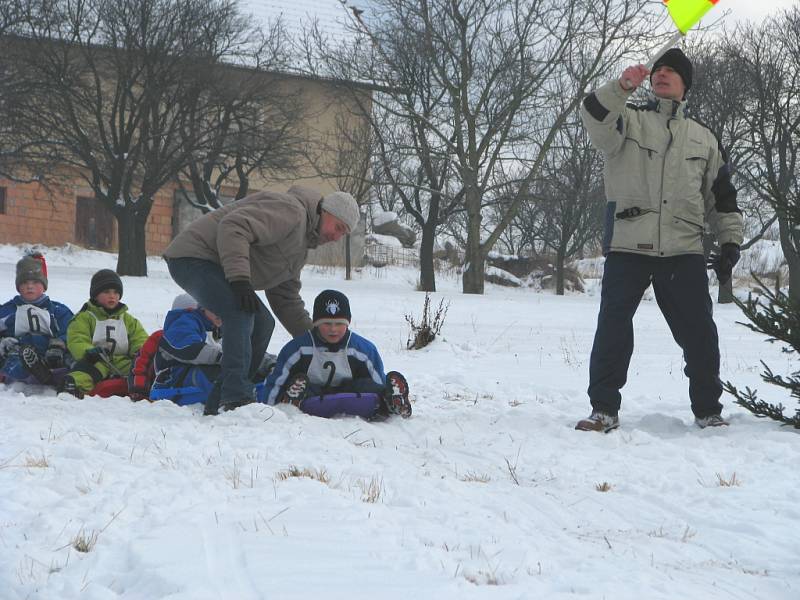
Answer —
724 262
245 295
54 355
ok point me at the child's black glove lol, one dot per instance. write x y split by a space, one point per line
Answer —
724 262
96 354
54 355
245 295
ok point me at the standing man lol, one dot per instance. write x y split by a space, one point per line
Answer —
257 243
665 176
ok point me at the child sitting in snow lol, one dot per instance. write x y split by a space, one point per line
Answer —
103 337
33 329
332 370
189 353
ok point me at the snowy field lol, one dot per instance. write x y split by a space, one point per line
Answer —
486 492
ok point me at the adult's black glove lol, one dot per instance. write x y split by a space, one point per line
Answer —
724 262
54 355
245 295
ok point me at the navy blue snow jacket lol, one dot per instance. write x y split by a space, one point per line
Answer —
35 322
186 346
327 365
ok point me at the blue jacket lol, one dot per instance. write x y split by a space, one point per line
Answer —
35 322
186 343
297 356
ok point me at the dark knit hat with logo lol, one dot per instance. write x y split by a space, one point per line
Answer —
331 305
679 62
104 279
32 267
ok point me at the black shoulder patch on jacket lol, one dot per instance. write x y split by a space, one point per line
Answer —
723 189
594 108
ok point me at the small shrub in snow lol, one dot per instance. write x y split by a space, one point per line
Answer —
424 331
603 487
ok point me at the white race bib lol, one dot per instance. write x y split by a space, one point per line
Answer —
112 335
31 319
329 368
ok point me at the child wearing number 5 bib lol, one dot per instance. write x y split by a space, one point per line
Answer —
103 337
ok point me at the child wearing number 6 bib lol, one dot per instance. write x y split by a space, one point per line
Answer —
103 337
33 329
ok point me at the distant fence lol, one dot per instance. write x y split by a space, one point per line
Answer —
381 256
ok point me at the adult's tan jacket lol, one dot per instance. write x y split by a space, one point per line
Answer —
665 176
263 238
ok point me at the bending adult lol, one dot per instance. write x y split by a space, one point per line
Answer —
260 242
665 176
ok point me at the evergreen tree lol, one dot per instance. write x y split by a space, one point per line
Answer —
776 315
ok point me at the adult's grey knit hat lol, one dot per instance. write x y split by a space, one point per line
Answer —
344 207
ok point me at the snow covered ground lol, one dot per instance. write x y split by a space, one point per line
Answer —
486 492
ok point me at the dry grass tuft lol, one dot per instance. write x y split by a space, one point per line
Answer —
475 477
372 490
732 481
84 543
320 475
603 487
38 463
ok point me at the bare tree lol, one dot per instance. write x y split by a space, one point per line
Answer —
248 120
572 197
768 59
22 158
116 82
468 85
344 154
719 99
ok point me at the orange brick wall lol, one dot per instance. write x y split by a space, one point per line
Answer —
41 216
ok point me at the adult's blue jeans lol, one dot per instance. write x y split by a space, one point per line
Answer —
245 336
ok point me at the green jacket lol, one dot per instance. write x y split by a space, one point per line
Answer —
118 331
665 176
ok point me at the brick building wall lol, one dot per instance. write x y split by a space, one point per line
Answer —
31 213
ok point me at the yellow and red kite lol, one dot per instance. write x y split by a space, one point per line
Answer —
686 13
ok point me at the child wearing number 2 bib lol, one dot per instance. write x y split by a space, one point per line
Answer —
103 337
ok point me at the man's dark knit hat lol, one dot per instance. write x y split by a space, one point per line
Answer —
331 305
104 279
32 267
679 62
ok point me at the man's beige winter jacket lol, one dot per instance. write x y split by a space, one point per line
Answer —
263 238
665 176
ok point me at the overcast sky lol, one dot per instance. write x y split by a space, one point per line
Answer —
751 9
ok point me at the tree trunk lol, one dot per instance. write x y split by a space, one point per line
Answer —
792 258
347 264
472 278
725 293
132 258
427 274
560 273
